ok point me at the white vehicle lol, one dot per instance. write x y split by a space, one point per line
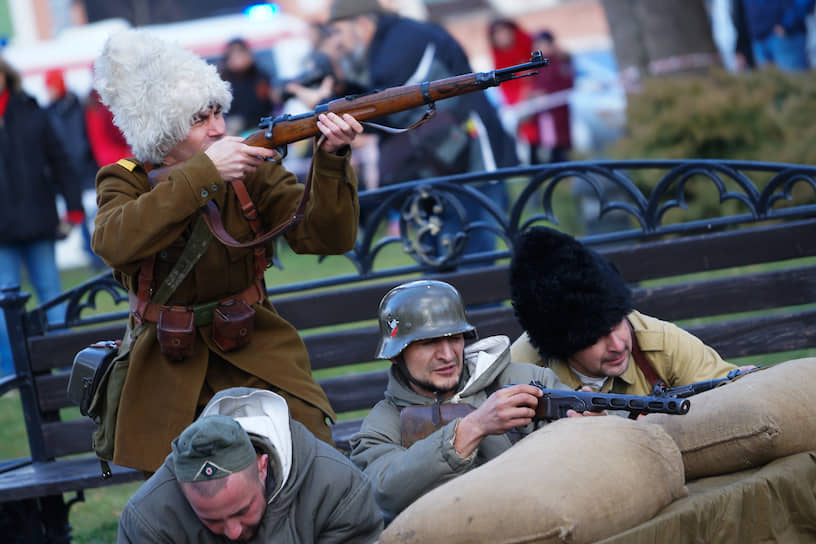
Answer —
280 42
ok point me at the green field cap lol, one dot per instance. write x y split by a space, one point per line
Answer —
212 447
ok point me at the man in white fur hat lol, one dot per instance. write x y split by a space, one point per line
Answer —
169 104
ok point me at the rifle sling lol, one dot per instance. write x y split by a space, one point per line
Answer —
641 361
429 113
213 218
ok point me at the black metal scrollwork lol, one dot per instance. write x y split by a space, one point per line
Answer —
439 218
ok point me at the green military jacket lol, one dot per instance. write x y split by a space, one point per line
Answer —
160 397
677 357
324 500
401 475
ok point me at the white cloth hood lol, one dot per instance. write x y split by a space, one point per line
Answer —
484 361
261 413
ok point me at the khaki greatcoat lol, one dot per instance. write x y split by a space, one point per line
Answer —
160 397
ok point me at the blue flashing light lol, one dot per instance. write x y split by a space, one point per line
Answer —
262 12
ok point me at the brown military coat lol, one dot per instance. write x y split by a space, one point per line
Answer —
678 358
160 397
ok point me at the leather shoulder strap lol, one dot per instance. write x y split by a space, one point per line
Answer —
216 226
640 359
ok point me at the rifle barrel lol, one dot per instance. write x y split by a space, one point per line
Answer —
287 129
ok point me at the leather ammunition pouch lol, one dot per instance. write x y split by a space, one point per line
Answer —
233 323
89 367
175 331
418 422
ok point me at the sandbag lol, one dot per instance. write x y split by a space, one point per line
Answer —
759 417
574 480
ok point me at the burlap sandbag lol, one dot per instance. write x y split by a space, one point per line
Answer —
575 480
746 423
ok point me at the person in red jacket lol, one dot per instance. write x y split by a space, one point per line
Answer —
511 45
107 143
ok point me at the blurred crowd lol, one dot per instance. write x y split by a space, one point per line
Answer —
756 33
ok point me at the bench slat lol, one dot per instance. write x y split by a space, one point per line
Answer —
355 391
68 437
43 348
306 311
53 478
760 335
715 251
749 292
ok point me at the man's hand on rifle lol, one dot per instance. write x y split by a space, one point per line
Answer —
338 131
234 159
505 409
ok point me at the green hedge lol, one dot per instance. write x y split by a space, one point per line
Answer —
763 115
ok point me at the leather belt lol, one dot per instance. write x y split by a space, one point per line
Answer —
254 294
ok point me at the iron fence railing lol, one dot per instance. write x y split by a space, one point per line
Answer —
466 220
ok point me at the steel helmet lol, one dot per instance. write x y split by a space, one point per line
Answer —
420 310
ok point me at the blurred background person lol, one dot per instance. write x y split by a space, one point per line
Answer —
251 87
34 168
380 50
68 116
778 32
107 143
555 81
729 30
511 45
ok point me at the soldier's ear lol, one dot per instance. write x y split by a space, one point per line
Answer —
263 466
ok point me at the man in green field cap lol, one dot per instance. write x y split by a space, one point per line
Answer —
246 472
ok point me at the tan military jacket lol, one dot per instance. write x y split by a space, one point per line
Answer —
677 357
160 397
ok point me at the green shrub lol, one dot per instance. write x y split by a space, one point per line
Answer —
763 115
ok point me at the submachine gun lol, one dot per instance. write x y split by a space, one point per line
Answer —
554 403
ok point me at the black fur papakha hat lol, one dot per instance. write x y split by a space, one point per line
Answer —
565 295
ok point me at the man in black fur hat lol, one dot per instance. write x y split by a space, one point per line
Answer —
577 312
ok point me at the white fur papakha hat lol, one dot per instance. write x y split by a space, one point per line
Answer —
154 89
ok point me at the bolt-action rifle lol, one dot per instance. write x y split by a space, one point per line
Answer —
276 133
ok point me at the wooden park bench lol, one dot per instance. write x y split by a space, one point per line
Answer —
745 283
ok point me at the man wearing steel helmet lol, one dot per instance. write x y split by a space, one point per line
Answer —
423 330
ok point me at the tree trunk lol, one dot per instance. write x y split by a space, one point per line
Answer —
656 37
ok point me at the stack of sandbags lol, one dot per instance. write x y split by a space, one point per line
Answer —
758 417
574 480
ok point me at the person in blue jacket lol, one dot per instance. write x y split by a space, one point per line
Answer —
778 32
